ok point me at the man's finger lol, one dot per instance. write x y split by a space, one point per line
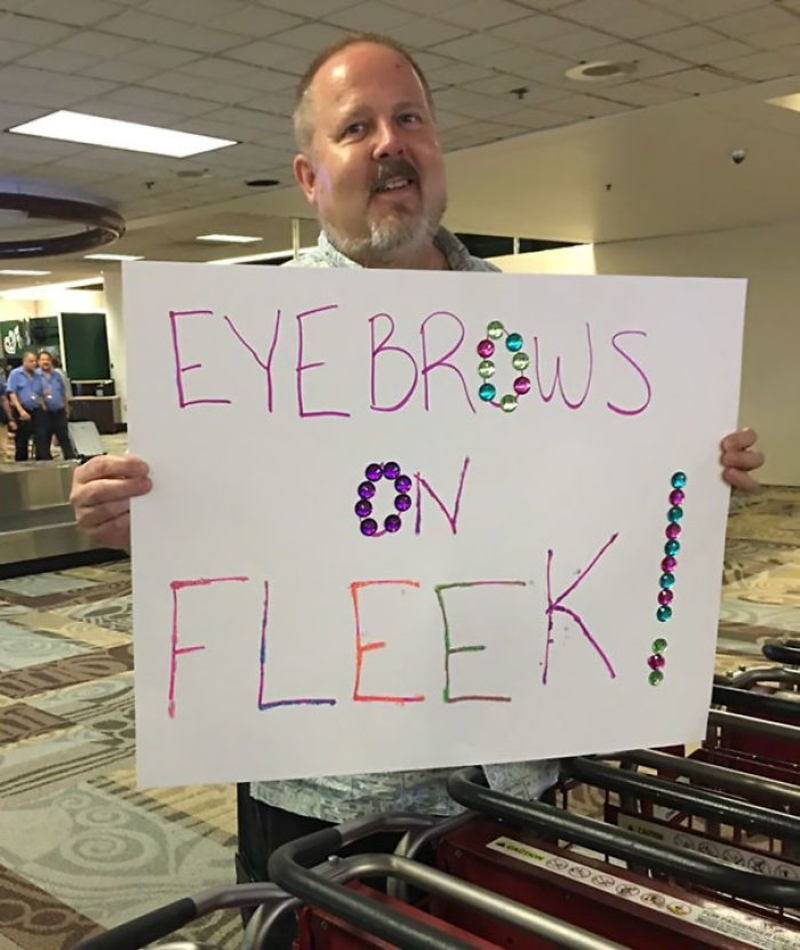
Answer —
745 460
739 441
96 517
740 480
111 466
107 490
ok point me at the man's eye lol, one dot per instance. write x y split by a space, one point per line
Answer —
410 117
355 128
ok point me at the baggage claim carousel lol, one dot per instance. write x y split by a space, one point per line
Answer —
37 525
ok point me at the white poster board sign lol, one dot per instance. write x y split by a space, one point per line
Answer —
355 559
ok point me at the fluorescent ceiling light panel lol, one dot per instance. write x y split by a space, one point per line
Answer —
25 273
39 291
271 256
69 126
112 257
791 102
228 238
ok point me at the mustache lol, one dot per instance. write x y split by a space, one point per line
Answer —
394 168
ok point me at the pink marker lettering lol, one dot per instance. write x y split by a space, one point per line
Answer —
180 369
175 650
557 380
442 361
452 519
382 348
302 367
267 367
557 606
639 370
262 675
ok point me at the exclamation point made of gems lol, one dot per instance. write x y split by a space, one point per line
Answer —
657 661
486 368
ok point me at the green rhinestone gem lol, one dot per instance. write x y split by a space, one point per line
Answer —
679 479
675 514
514 342
672 547
487 392
656 678
486 369
508 403
521 361
667 580
663 614
659 645
495 330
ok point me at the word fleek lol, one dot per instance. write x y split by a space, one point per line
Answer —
556 604
398 375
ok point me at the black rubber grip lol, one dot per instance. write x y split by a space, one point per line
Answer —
142 931
783 707
782 651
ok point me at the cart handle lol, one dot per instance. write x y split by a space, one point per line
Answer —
146 929
696 801
737 697
618 843
782 651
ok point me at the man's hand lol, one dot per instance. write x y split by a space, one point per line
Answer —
101 496
739 458
25 416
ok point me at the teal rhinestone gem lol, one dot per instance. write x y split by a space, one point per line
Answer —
521 361
508 403
664 613
667 581
487 392
495 330
486 369
672 547
675 514
656 678
514 342
679 479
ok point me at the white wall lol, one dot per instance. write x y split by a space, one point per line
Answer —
116 334
768 257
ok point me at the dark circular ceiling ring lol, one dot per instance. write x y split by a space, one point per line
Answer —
99 225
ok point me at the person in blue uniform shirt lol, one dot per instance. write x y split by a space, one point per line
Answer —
55 418
25 395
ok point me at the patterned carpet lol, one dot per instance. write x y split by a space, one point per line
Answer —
81 848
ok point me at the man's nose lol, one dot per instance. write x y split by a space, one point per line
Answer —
389 141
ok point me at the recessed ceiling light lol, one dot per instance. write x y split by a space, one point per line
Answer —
252 258
598 71
113 257
115 133
791 102
25 273
40 290
229 238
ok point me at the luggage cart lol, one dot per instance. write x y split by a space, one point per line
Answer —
338 912
621 885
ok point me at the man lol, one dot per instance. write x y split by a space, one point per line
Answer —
25 395
370 163
7 423
54 401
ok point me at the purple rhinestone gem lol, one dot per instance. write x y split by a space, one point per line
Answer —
403 484
673 530
485 349
656 662
363 508
392 523
669 564
374 472
676 497
522 385
391 470
366 490
665 597
369 527
402 502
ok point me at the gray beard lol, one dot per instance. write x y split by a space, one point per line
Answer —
388 242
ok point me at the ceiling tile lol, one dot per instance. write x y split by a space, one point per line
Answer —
483 14
59 60
717 52
153 98
28 30
193 11
588 106
158 29
120 71
472 46
308 8
763 66
10 50
702 10
530 118
458 74
213 90
687 37
424 7
74 13
241 74
114 109
530 63
263 53
255 21
502 85
544 5
776 39
251 119
533 30
697 81
73 87
461 102
99 44
428 61
449 120
38 150
420 34
371 17
280 103
644 23
742 25
643 94
311 36
577 41
162 57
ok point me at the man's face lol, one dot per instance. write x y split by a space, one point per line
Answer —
29 362
374 171
45 363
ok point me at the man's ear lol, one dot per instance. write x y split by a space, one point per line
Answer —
306 176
